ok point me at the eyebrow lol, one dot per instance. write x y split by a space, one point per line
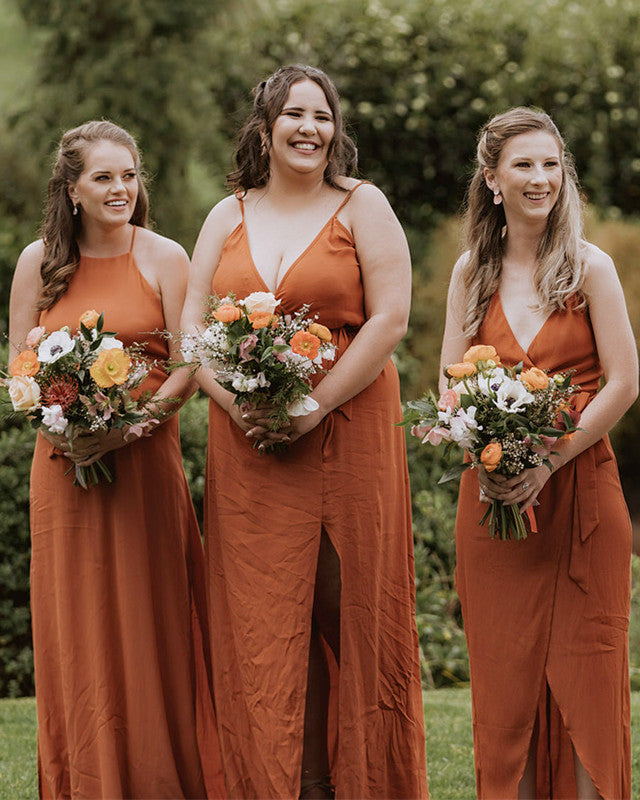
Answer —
108 171
528 158
316 111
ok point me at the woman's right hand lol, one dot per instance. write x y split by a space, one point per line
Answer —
256 424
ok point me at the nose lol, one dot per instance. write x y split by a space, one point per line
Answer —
307 125
117 184
538 174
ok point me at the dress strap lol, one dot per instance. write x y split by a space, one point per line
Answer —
133 238
241 202
348 197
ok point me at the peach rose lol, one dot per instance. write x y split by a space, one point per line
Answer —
26 364
461 370
481 352
89 319
321 331
261 319
534 378
110 368
448 400
305 344
491 455
34 336
227 313
24 393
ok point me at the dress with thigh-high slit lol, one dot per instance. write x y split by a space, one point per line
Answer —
547 618
264 519
118 593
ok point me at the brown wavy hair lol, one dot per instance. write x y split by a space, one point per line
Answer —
560 271
61 228
254 141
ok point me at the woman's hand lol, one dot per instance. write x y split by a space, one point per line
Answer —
89 447
521 489
256 424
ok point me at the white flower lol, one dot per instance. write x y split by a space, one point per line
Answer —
463 425
511 396
302 407
188 348
109 343
24 393
54 419
491 382
260 301
241 383
328 352
56 345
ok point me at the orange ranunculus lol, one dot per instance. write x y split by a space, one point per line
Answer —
26 364
534 378
261 319
491 455
227 313
305 344
110 367
461 370
89 319
481 352
321 331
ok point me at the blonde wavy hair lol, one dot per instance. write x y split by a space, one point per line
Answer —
560 271
61 228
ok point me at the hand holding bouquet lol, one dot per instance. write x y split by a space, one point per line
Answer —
70 384
507 418
263 356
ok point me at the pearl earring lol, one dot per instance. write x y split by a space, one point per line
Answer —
75 210
497 197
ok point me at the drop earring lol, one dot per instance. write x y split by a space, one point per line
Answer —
497 197
75 210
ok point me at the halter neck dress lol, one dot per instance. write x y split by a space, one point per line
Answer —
117 592
547 618
264 517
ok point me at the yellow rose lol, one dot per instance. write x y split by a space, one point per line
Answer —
481 352
321 331
110 367
89 319
461 370
24 393
534 378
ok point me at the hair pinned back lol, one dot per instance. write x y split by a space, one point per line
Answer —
61 227
560 269
254 143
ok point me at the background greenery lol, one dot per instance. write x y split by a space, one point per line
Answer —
417 80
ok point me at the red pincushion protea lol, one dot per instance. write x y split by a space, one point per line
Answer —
61 391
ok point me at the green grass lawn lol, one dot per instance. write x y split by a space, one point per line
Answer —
449 746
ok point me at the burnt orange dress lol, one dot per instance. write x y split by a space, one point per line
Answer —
265 514
117 594
547 618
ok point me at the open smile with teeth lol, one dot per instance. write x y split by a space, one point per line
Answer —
536 195
308 146
116 203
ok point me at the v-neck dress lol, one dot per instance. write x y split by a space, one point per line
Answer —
547 618
264 517
118 593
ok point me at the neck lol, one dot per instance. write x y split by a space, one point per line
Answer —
523 239
290 189
104 241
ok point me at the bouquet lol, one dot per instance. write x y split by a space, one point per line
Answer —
507 418
81 382
263 356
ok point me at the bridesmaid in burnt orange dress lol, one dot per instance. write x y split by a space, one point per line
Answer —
117 571
546 618
309 547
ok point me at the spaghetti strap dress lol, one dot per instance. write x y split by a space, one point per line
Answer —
117 593
547 618
264 519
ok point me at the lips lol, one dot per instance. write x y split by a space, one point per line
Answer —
305 147
536 195
116 203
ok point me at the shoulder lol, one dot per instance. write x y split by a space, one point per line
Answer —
158 249
226 215
31 258
363 193
599 269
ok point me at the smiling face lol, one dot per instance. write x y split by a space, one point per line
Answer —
107 189
302 133
528 175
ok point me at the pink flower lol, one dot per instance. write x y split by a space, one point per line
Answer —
420 431
247 346
448 400
34 336
547 444
436 435
139 429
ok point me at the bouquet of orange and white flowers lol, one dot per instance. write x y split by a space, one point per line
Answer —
507 418
263 356
71 383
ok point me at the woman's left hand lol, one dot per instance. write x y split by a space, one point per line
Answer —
89 447
521 489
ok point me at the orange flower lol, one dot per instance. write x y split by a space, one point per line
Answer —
461 370
321 331
481 352
261 319
491 455
89 319
26 364
305 344
110 367
227 313
535 378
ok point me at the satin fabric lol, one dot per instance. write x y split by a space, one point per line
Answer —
117 594
547 618
264 516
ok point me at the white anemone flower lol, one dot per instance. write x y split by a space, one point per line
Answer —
56 345
512 396
109 343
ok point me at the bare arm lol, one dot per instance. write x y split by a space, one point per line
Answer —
25 290
454 341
